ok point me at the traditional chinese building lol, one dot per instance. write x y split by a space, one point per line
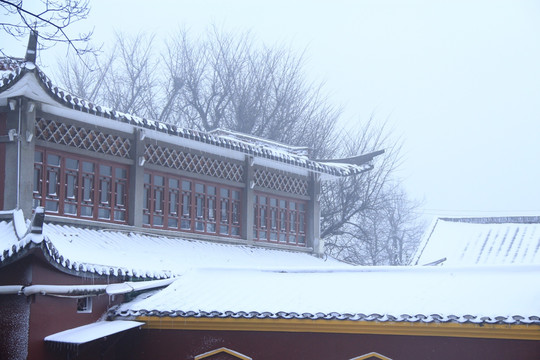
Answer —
126 238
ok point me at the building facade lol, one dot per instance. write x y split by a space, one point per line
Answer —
98 167
126 238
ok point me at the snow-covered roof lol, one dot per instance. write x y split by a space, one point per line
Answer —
481 241
131 253
239 281
91 332
398 294
21 78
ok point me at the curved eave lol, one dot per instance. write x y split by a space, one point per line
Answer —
52 256
355 160
25 84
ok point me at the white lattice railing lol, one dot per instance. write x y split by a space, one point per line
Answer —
193 163
280 182
81 138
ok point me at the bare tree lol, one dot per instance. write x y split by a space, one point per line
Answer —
50 19
219 81
84 81
224 81
404 225
130 76
124 78
342 200
367 219
384 235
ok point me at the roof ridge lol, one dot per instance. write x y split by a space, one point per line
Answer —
527 219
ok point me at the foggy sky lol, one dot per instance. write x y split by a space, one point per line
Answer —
457 81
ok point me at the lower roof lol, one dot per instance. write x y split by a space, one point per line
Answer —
86 333
134 254
478 295
215 280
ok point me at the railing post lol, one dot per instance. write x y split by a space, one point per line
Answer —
247 200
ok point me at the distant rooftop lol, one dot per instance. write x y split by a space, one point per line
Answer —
370 293
481 241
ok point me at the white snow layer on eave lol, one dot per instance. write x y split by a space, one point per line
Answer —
463 243
154 256
19 223
477 292
278 165
252 139
29 87
94 331
95 120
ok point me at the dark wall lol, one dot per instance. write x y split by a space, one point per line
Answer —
14 315
49 315
26 321
14 312
177 344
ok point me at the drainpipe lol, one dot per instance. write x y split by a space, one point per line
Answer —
19 157
10 289
85 290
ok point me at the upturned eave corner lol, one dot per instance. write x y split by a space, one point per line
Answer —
355 160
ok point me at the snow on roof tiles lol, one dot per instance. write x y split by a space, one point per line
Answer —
12 70
481 241
408 294
224 280
129 253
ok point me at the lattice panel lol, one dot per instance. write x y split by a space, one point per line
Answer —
193 163
280 182
93 140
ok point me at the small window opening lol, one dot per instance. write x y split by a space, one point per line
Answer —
84 305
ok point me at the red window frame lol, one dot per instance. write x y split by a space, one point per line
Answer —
279 219
77 186
180 203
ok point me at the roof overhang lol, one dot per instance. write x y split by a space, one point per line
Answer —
355 160
71 339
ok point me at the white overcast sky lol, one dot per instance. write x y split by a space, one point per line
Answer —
458 81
